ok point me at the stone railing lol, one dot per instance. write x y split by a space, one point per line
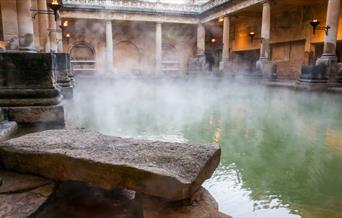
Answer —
130 5
147 6
212 4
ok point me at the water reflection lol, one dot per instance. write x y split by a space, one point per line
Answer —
281 149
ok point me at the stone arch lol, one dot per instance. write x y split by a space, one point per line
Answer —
83 58
127 57
82 51
170 58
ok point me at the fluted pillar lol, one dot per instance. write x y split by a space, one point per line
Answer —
25 26
158 48
109 46
43 27
52 33
225 43
200 39
10 23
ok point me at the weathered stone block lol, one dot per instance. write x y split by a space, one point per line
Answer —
26 70
172 171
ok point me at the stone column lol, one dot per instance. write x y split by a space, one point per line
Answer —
109 46
225 43
265 31
199 64
59 36
36 27
332 22
52 33
265 67
25 26
43 27
9 23
329 57
200 40
158 48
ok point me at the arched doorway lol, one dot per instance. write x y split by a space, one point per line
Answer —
126 58
83 58
170 59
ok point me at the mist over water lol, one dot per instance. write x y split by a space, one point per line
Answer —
281 149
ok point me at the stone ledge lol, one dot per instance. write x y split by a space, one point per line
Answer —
173 171
36 114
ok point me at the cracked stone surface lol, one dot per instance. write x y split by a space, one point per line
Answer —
172 171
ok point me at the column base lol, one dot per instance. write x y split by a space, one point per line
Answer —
332 69
313 76
198 65
226 66
266 69
37 115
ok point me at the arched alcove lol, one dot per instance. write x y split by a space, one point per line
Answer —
83 58
127 58
170 59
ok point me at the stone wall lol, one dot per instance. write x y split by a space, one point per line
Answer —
292 41
133 44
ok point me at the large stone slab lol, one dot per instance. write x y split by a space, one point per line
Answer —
21 195
172 171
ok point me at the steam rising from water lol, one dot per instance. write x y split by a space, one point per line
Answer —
278 145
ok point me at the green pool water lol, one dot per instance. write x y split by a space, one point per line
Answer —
281 149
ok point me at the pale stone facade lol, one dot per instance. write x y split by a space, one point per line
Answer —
158 36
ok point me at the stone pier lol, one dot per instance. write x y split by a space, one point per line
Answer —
28 93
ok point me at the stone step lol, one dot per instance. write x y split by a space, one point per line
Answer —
172 171
21 195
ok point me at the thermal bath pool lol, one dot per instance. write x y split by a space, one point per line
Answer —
281 149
